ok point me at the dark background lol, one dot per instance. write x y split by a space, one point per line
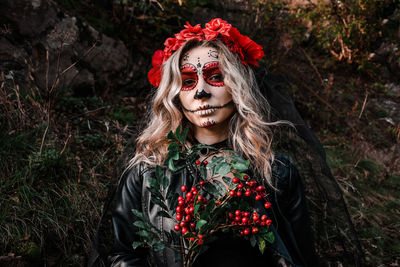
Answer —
74 86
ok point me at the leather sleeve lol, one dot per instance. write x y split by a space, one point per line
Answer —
296 217
128 197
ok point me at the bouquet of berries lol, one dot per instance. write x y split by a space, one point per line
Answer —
225 199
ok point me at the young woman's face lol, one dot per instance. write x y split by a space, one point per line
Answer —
204 98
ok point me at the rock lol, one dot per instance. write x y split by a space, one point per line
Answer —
57 50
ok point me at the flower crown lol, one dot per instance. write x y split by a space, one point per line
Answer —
248 51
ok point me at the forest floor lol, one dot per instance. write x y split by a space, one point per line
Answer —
58 157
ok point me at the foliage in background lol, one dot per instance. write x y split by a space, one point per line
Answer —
57 156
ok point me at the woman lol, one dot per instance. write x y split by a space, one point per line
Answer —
205 83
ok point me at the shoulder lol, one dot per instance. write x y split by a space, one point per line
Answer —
133 175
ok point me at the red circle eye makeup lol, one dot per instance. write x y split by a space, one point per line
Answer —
189 77
211 75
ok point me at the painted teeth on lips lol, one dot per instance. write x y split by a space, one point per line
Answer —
205 111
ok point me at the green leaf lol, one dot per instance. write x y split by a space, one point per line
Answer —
240 166
136 244
196 207
171 136
138 214
220 187
253 241
203 172
261 245
184 135
222 168
163 213
171 165
178 133
144 233
159 202
159 246
141 224
200 223
159 172
211 189
154 183
173 147
269 237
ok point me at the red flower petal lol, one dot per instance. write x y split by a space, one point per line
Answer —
154 76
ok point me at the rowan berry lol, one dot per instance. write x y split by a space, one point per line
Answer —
238 193
247 214
201 183
188 218
260 188
248 193
238 218
182 223
267 205
200 241
240 185
205 162
254 230
181 202
178 217
245 220
264 217
180 198
235 180
268 222
246 177
232 193
200 236
189 195
183 188
177 227
258 197
246 231
193 189
191 210
184 230
238 212
192 225
198 162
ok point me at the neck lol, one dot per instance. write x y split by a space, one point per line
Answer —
213 134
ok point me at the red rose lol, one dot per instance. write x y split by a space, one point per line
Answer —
158 58
251 51
154 74
190 32
216 27
171 45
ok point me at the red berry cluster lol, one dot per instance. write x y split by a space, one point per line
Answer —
249 187
250 221
185 212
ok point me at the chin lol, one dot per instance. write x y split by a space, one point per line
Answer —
208 123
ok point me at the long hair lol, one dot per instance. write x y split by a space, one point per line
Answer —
249 128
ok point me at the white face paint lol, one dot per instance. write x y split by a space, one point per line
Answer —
205 100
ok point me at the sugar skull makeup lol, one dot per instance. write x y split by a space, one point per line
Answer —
204 98
210 72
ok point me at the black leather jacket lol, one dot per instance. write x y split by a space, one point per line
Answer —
293 244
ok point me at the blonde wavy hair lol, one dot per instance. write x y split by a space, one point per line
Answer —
249 132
